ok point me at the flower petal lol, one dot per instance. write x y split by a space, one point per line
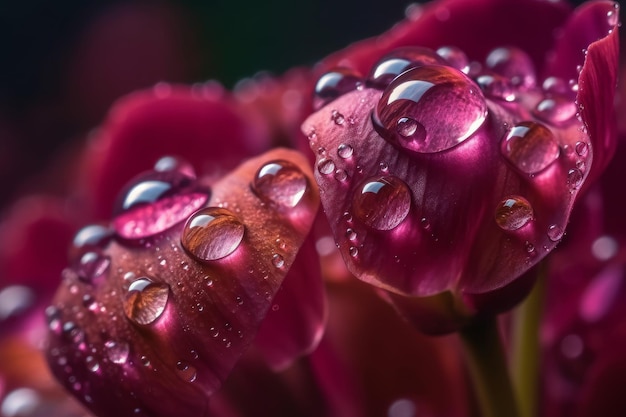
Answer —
156 323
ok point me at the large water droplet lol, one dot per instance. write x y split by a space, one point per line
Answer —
333 84
14 300
555 110
530 147
514 64
496 87
400 60
326 166
345 151
174 163
93 235
117 352
280 182
212 233
154 202
382 203
513 213
92 265
146 301
455 57
446 106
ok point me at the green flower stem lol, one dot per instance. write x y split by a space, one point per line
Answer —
525 348
488 368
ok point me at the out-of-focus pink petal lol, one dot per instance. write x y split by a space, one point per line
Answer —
295 322
153 321
200 123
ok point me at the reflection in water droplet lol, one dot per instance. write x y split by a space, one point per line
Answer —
555 110
92 364
73 333
20 402
91 266
278 261
574 178
513 213
555 232
442 100
146 301
334 84
177 164
530 147
514 64
154 202
280 182
53 317
382 203
354 251
400 60
496 87
582 148
344 151
93 235
455 57
337 117
15 300
326 166
117 352
212 233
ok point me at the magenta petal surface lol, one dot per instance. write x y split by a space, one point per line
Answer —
154 326
295 322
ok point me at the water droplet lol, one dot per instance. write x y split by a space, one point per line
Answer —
530 248
280 182
20 402
513 213
53 318
382 203
455 57
400 60
555 85
278 261
442 100
174 163
212 233
92 364
89 302
350 234
574 178
353 251
154 202
496 87
514 64
337 117
555 110
326 166
341 175
582 148
145 361
334 84
146 301
604 248
612 16
530 147
93 235
555 233
15 300
117 352
92 265
345 151
186 372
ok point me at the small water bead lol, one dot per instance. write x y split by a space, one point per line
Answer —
574 178
154 202
350 234
212 233
341 175
345 151
89 302
280 182
530 248
174 163
582 148
278 261
496 87
146 301
455 57
613 16
530 147
186 372
73 333
513 213
514 64
555 110
92 364
353 251
117 352
93 235
400 60
555 85
382 203
334 84
442 100
555 232
326 166
92 265
337 117
14 300
53 318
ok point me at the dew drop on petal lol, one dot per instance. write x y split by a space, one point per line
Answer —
442 100
334 84
341 175
613 16
345 151
145 301
574 178
154 202
582 148
382 203
455 57
555 110
117 352
280 182
555 232
53 318
174 163
278 261
93 235
496 87
326 166
73 333
89 302
514 64
186 372
513 213
92 265
212 233
353 251
92 364
337 117
400 60
555 85
530 147
15 300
